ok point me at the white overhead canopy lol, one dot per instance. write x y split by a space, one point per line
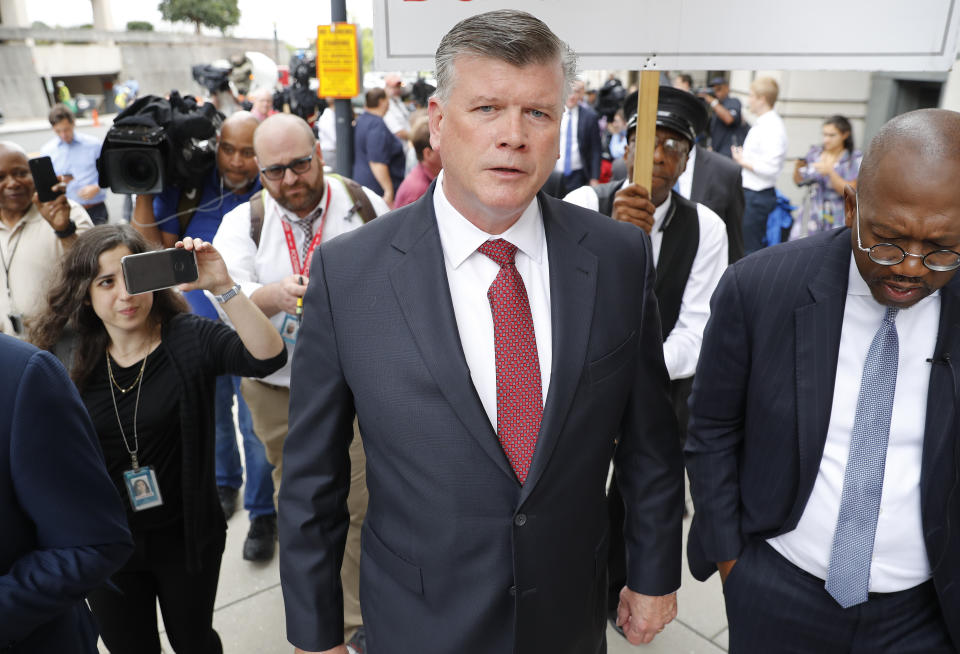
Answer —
889 35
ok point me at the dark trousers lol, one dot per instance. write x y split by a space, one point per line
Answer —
97 213
157 571
757 206
775 607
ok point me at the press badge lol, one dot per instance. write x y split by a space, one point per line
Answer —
289 329
142 488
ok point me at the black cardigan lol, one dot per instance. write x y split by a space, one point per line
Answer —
201 350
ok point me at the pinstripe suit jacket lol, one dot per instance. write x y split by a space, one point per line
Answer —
761 406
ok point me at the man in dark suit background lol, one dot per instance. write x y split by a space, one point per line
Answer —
715 181
580 142
493 343
823 446
64 529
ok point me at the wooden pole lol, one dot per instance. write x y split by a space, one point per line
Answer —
646 127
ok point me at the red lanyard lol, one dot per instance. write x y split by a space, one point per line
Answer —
292 243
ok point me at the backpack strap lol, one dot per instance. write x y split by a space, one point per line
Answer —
256 216
361 203
187 205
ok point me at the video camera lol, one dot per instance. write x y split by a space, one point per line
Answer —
213 78
156 143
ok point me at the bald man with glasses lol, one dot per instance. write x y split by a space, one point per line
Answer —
823 448
267 245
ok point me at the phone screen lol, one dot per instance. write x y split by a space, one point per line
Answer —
152 271
44 178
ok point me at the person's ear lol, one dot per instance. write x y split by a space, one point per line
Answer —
849 206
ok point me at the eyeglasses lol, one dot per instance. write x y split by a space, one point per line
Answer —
297 166
676 147
888 254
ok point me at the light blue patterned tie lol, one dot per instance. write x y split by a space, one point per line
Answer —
848 575
568 148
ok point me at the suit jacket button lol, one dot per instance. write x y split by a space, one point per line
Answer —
520 519
512 590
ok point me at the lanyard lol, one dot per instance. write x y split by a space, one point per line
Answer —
292 243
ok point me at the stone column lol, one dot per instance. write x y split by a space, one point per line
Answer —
13 13
102 15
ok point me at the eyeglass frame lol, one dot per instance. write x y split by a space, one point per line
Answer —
282 168
663 144
922 257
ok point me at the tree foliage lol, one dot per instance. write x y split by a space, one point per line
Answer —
211 13
139 26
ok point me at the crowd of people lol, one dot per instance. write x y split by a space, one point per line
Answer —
438 361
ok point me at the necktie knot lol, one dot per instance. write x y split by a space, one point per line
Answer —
891 315
501 251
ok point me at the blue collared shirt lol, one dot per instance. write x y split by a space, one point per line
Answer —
77 158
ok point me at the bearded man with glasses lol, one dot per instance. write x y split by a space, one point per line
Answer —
823 448
268 244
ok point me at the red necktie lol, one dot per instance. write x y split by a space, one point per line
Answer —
519 395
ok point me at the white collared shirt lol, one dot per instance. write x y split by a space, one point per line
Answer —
681 348
899 553
253 267
685 181
470 275
765 149
575 161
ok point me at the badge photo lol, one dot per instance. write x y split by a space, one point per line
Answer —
142 488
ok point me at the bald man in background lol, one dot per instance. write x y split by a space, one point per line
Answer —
34 236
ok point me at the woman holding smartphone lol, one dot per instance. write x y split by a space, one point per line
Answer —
146 370
827 169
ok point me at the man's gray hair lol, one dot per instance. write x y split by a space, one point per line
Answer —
512 36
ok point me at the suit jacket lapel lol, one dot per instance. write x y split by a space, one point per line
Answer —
818 326
422 290
940 430
573 285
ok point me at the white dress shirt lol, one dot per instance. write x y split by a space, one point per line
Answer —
685 181
681 348
899 553
253 267
575 162
470 275
765 149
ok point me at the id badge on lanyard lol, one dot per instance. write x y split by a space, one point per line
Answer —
142 488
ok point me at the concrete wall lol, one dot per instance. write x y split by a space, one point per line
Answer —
21 89
159 61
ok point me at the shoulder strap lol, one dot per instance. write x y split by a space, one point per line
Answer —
187 206
256 216
361 203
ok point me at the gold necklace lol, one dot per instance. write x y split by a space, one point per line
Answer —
135 381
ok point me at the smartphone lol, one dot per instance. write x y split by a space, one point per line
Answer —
44 178
152 271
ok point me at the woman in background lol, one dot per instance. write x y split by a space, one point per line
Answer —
146 371
827 169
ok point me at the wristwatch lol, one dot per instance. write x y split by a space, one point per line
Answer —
221 299
69 230
714 103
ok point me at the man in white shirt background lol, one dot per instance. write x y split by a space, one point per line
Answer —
300 208
689 253
761 157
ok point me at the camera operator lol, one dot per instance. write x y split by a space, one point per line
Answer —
167 218
34 236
